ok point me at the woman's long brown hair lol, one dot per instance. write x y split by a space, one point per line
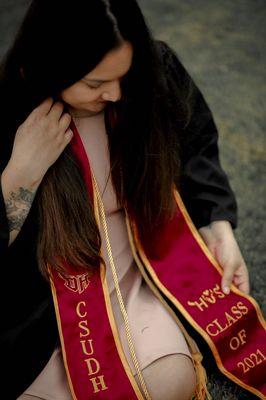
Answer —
57 44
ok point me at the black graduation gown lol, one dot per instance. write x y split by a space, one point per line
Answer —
28 324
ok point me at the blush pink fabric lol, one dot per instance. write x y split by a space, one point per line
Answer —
154 331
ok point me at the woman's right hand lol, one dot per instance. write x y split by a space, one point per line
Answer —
40 139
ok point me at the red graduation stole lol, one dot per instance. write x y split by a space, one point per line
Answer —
178 264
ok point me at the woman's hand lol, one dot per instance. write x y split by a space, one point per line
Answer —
40 139
220 240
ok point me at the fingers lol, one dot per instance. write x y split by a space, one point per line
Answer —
64 128
238 276
56 110
48 106
64 121
241 279
227 278
44 107
244 287
68 135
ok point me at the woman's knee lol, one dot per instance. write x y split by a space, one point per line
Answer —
170 377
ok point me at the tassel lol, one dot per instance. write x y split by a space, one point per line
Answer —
201 390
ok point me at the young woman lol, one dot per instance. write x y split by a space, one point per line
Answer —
92 69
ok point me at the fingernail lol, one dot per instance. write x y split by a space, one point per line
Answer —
226 289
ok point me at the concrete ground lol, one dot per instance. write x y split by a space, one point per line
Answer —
222 44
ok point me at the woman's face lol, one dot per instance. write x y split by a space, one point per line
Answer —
89 95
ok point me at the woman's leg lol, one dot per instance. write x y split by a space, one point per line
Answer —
29 397
171 377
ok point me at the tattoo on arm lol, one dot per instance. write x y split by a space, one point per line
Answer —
17 207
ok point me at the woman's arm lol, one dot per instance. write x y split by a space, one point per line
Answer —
220 240
4 228
205 187
16 196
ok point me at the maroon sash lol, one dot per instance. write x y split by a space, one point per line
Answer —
178 263
182 267
93 357
94 360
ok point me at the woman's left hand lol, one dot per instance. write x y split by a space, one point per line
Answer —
220 240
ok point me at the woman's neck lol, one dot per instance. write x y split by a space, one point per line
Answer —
83 113
86 114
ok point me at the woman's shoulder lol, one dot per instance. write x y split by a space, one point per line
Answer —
178 77
180 81
165 49
181 85
172 61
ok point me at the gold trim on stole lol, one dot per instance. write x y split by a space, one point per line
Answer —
212 259
179 306
201 390
61 335
112 319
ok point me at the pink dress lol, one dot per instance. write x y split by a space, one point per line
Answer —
154 331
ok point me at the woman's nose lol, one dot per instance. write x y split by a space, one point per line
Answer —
113 93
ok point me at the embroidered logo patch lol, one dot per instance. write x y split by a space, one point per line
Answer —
76 283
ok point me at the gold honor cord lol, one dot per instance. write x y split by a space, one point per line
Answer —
119 295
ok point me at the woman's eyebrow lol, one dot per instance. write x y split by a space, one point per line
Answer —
102 81
96 80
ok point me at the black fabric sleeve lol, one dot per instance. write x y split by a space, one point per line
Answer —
4 227
205 187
